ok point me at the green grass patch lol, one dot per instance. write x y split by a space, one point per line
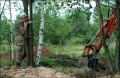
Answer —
7 63
7 48
47 61
111 51
71 50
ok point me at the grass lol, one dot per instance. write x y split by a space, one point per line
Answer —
71 50
6 48
64 60
111 51
7 62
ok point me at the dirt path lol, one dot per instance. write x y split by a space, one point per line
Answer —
30 72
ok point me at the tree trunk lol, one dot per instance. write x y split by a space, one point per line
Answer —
40 34
25 5
11 36
117 54
103 38
30 40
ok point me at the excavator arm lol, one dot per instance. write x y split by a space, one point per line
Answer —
109 26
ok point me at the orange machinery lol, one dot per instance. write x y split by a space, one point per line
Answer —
109 26
92 62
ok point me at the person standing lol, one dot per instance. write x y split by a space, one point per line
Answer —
20 40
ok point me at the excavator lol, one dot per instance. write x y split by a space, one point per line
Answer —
90 59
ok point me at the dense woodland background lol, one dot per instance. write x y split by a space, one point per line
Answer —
65 23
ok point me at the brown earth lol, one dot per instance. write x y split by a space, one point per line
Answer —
45 52
38 72
30 72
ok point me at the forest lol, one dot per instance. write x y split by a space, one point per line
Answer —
61 36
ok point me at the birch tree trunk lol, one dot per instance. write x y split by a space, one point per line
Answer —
11 42
117 54
103 38
40 34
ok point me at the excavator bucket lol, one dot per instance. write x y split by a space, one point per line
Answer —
83 62
89 61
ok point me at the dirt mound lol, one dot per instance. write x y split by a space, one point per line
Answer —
30 72
45 51
7 55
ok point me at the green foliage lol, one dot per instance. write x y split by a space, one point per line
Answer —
81 39
69 49
7 63
5 30
4 48
86 1
79 23
56 28
46 61
111 51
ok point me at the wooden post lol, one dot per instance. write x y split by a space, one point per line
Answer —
31 38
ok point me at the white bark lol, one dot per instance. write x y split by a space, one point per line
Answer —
11 42
40 34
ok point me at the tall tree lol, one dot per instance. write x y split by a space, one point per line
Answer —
29 34
25 5
40 34
103 37
11 35
31 37
117 54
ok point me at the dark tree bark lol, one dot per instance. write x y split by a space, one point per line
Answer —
29 33
117 54
31 37
25 5
103 38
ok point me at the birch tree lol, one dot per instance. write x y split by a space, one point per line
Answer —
40 34
11 36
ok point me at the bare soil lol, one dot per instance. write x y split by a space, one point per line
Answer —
43 72
45 52
30 72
